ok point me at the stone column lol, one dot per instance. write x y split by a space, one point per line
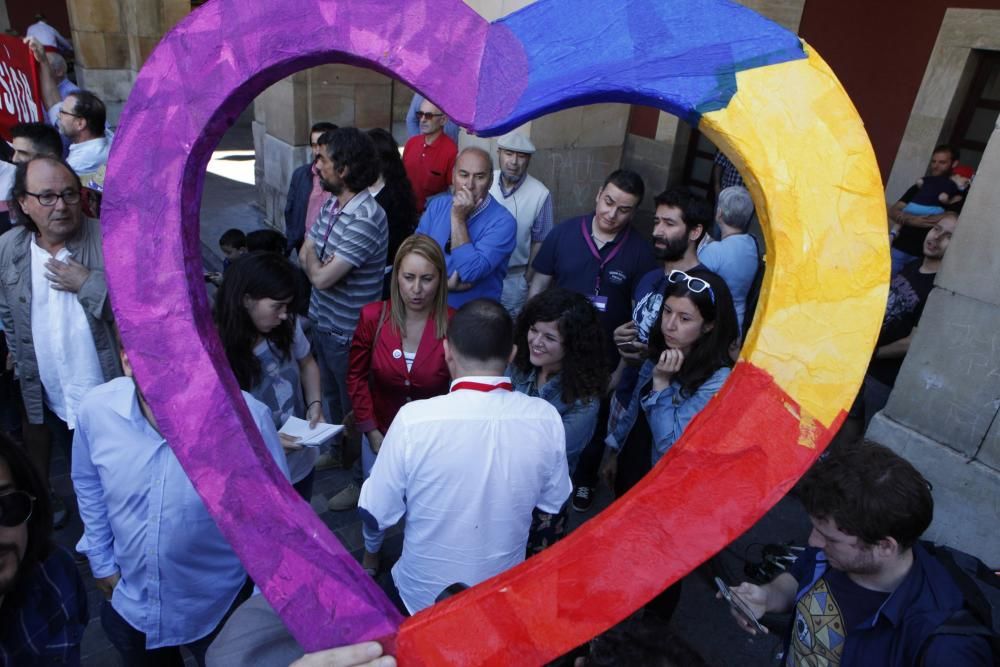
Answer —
943 412
113 38
341 94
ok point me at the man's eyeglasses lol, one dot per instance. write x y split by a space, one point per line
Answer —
69 113
427 114
50 198
15 508
695 284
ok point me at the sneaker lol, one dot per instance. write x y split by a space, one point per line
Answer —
60 514
583 498
346 499
329 461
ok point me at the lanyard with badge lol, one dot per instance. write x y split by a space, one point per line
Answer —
600 302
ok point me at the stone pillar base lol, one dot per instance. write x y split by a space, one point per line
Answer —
966 492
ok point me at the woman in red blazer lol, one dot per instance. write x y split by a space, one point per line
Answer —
396 353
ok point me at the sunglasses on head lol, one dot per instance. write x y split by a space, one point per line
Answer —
693 283
15 508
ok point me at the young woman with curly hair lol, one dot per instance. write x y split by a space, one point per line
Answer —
560 358
268 352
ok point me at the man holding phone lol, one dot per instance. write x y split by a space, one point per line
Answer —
866 592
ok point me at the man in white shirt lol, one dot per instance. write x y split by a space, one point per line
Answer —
82 118
54 304
465 469
529 201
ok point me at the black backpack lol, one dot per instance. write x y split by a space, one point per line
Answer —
980 586
754 294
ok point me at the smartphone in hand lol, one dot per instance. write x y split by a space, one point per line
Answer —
737 603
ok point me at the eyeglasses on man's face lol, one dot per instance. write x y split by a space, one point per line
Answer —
429 115
50 198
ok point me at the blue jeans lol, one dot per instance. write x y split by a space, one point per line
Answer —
332 351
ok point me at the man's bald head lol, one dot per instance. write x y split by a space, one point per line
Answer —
474 171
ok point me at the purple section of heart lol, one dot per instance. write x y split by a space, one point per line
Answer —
193 86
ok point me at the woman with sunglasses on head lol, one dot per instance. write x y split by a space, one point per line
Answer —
397 354
269 353
560 358
687 364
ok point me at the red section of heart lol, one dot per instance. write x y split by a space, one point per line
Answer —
737 458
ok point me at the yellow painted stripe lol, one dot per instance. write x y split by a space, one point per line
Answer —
801 146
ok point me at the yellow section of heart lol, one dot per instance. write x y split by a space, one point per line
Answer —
797 139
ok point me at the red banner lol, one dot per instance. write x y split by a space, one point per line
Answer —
20 91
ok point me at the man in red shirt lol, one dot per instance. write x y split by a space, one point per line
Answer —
429 157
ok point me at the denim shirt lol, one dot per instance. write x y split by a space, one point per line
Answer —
667 411
579 418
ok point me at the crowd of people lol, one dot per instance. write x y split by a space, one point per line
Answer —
489 366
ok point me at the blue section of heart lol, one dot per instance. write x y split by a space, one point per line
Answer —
681 56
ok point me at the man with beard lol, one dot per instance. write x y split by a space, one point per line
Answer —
344 257
43 602
679 223
529 201
867 592
305 192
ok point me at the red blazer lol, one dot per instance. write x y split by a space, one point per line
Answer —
377 380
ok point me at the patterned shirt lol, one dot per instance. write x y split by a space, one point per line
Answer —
359 234
42 623
730 175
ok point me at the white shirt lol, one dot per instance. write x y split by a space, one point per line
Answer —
68 365
88 156
48 36
466 469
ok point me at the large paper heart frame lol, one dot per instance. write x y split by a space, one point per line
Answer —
754 89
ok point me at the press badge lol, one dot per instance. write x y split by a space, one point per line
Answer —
600 303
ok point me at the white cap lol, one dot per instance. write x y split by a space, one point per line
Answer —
512 141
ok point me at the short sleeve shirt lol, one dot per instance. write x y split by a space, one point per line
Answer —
358 234
908 293
566 256
280 389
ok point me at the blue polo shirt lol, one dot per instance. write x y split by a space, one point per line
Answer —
566 256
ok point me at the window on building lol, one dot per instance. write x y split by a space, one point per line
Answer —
978 116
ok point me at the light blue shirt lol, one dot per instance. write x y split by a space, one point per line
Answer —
668 411
143 519
735 259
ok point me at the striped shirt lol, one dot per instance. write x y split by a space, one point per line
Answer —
358 234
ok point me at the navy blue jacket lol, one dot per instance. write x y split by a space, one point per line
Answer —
896 634
296 204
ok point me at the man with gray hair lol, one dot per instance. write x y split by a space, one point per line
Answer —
530 202
476 233
735 256
59 68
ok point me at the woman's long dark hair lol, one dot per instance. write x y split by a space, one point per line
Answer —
584 367
401 209
26 478
711 351
258 275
